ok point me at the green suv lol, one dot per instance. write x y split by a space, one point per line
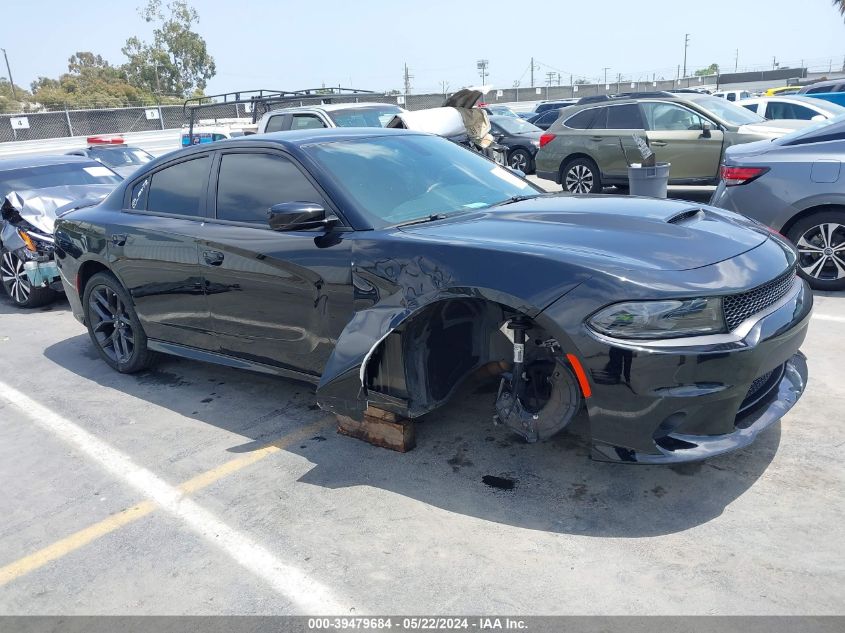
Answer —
591 144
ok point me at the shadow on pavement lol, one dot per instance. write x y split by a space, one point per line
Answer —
556 487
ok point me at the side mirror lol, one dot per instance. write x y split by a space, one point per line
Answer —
705 129
297 216
819 117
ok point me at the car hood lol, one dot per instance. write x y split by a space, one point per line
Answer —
41 207
625 233
774 128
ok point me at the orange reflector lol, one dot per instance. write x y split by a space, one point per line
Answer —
30 245
580 375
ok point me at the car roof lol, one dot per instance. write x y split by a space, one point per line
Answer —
793 98
41 161
291 139
332 107
822 84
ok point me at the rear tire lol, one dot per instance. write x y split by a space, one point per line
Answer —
820 240
113 325
580 175
17 286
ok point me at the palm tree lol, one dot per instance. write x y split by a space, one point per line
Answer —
840 4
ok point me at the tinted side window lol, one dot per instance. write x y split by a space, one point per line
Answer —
750 106
275 123
305 122
668 117
179 189
624 117
582 120
249 184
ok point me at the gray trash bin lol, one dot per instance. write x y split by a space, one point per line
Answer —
649 181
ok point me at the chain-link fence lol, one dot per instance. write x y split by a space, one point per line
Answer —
64 123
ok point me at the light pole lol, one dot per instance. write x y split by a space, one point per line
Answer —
686 45
9 70
482 65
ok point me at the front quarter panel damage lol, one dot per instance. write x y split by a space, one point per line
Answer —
391 289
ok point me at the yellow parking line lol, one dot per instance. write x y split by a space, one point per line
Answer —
108 525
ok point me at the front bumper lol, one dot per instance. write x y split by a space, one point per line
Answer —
682 400
43 274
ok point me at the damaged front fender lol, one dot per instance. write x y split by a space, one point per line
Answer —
389 295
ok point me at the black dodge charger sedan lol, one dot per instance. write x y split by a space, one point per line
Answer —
384 266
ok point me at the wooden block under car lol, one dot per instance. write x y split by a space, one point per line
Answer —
380 428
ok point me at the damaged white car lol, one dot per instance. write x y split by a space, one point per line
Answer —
27 267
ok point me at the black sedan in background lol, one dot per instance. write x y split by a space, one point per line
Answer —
385 266
520 137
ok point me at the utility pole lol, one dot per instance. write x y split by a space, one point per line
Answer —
9 70
516 86
774 62
444 87
532 72
407 79
482 65
736 60
686 45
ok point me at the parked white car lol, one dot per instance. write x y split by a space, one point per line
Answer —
793 107
733 95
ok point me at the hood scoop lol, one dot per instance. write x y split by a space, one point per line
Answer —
686 216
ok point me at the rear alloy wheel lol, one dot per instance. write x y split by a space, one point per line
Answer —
113 325
17 285
519 159
581 175
820 240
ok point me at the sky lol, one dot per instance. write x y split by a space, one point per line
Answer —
283 45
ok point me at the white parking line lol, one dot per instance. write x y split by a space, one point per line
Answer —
309 596
829 317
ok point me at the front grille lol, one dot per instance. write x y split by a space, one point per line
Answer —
739 307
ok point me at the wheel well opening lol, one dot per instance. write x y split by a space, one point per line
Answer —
86 271
418 366
786 228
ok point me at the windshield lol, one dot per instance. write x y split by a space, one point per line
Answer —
365 117
120 156
516 126
419 176
727 111
85 173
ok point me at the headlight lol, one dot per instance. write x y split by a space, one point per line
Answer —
660 319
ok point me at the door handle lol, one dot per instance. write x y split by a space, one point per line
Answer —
118 239
658 143
597 138
212 258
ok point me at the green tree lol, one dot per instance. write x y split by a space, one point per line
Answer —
90 81
8 103
712 69
581 81
177 61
